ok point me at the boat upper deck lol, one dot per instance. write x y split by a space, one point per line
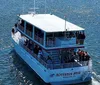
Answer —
50 23
50 31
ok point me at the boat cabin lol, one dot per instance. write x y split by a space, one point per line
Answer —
49 31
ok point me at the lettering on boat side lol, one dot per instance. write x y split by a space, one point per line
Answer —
65 74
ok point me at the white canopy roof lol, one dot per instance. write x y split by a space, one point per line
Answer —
50 23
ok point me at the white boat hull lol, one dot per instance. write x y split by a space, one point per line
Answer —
55 76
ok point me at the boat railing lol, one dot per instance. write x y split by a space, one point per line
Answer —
29 33
80 41
67 65
59 65
20 27
50 42
53 65
35 56
39 39
61 41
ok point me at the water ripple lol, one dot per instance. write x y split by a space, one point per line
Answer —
83 13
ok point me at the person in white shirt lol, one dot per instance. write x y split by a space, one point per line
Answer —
40 53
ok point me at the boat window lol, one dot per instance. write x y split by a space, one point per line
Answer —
59 34
52 38
49 34
29 29
70 34
39 35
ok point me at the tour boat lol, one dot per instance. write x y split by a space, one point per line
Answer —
53 47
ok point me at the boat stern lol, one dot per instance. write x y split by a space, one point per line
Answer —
70 75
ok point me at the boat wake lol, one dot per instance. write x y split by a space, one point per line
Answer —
96 77
95 82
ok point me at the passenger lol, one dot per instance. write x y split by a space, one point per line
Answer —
83 37
67 59
87 56
82 56
79 52
72 57
30 45
82 53
15 28
26 42
36 49
13 31
16 25
22 40
70 34
78 38
40 53
76 34
49 60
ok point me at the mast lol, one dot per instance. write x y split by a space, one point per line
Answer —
23 6
45 6
65 27
34 6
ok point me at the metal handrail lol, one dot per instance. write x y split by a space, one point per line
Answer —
37 38
57 66
20 27
28 33
35 56
50 42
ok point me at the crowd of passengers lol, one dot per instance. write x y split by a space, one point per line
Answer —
80 37
83 55
71 56
37 51
67 55
77 34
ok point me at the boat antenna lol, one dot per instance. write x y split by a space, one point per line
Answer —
23 6
34 6
45 6
34 11
65 27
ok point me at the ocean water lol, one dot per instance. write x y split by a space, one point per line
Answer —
85 13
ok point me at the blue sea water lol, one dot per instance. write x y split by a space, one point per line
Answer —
85 13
